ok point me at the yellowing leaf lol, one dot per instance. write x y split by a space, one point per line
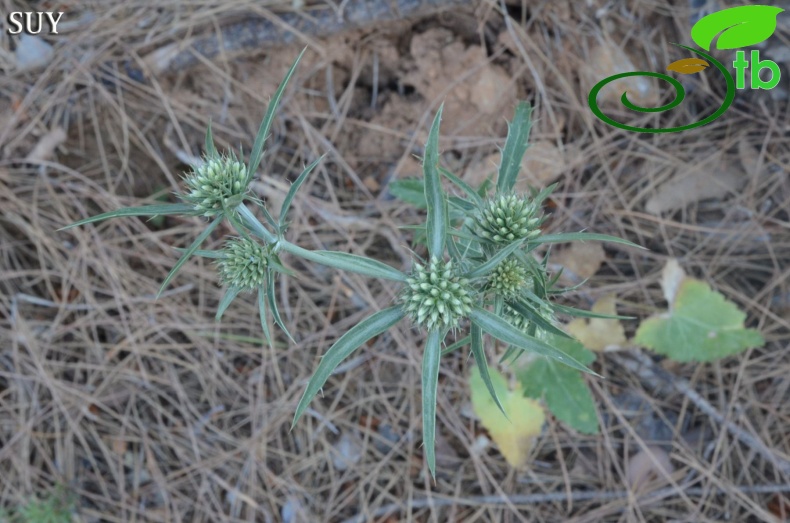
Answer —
583 259
514 436
688 65
700 325
597 333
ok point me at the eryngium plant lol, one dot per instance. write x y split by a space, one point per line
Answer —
480 275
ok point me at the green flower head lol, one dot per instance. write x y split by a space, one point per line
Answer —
436 296
508 218
508 278
220 182
244 264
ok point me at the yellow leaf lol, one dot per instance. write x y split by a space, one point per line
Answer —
516 435
597 333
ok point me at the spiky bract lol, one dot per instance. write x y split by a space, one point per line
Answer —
507 218
508 278
220 182
436 296
244 265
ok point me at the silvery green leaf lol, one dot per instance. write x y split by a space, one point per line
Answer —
294 188
436 224
266 123
515 147
343 347
146 210
502 330
430 383
189 252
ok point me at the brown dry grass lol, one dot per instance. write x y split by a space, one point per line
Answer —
147 410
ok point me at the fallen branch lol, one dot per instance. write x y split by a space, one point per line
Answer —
285 29
658 378
554 497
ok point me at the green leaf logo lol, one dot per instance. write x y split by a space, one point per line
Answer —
739 27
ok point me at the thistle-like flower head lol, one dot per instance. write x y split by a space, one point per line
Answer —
221 181
436 296
507 218
244 264
508 278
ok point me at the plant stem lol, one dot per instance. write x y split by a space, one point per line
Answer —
255 226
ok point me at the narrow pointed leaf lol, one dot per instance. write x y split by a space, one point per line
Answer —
463 186
436 223
515 147
229 296
482 364
273 305
266 123
216 255
343 347
211 149
532 315
146 210
502 330
189 252
457 345
572 311
262 313
583 236
295 187
430 384
495 260
268 216
347 262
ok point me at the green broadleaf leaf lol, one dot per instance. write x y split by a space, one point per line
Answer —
226 300
189 252
742 26
436 223
701 325
430 383
583 236
266 123
482 365
410 190
343 347
563 388
146 210
515 146
292 191
502 330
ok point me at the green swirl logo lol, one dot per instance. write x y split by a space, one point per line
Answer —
735 28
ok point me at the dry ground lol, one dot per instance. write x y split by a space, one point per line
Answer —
148 410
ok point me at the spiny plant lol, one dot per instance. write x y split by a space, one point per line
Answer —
480 274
